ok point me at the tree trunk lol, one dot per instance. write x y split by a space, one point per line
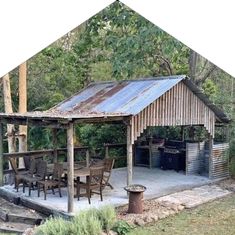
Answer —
22 109
193 64
8 109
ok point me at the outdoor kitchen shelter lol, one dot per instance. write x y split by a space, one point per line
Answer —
161 101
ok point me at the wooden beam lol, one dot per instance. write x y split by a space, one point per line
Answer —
70 159
35 153
129 156
1 155
34 122
55 143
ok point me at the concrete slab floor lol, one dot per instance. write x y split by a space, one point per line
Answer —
157 181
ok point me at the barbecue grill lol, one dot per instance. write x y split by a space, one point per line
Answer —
173 156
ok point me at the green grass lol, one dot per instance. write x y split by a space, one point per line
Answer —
214 218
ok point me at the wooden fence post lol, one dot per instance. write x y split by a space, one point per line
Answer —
70 159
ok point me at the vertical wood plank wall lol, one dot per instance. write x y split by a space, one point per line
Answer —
178 106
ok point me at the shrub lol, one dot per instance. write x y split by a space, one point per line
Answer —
89 222
121 227
107 216
54 226
86 223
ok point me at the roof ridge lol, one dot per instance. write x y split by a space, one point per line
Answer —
141 79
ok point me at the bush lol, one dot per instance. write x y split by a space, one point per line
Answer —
86 223
107 216
121 227
54 226
89 222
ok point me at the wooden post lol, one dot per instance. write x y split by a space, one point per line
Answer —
150 152
22 109
1 154
129 156
106 151
182 133
87 158
210 140
70 160
55 145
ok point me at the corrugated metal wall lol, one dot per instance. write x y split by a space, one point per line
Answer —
177 107
196 159
219 161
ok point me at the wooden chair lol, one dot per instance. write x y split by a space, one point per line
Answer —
108 166
94 182
19 174
30 180
54 182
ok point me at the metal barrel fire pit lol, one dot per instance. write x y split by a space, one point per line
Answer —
136 192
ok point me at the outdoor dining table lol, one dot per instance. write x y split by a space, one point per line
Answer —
79 171
50 167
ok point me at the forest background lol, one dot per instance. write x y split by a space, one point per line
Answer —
115 44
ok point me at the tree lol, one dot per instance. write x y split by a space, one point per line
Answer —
200 68
8 109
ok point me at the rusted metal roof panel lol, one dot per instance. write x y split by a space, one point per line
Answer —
115 98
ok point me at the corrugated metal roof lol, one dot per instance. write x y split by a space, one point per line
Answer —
117 98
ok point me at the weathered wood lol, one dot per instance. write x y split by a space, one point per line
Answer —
34 122
114 145
22 109
1 154
129 156
210 140
35 153
55 143
87 158
106 151
70 159
132 130
177 107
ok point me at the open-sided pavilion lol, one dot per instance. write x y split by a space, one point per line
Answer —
162 101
